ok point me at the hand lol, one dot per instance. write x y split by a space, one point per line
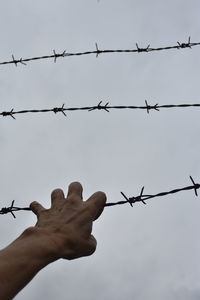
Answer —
65 229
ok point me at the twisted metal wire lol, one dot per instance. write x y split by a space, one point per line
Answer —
11 209
128 200
97 52
142 198
99 106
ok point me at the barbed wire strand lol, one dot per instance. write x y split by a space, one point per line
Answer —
11 209
128 200
98 51
99 106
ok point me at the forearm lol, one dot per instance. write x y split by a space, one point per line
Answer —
21 261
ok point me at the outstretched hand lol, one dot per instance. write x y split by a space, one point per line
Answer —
65 229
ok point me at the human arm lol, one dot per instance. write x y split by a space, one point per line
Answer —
63 231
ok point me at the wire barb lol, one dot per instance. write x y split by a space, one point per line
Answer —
133 199
142 49
129 200
97 50
59 109
196 186
55 56
6 210
185 45
100 107
11 209
15 61
8 113
149 107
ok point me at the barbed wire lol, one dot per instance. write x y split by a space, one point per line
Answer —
99 106
11 209
128 200
142 198
98 51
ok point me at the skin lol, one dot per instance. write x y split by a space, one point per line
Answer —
63 231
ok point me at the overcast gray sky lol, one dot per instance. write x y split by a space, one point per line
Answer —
144 252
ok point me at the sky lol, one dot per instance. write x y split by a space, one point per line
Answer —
143 252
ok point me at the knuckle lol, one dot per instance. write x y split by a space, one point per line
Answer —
73 199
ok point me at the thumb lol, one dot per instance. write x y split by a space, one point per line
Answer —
36 208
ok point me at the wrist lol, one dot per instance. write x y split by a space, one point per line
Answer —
36 245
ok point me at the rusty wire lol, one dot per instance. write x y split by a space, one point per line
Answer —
98 51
